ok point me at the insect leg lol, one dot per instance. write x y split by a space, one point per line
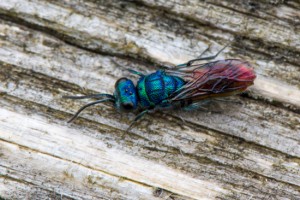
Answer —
167 65
204 51
135 72
203 58
139 116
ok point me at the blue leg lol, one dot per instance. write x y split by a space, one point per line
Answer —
139 116
135 72
167 65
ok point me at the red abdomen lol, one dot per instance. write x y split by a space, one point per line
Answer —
224 76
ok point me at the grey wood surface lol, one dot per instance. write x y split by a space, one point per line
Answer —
249 149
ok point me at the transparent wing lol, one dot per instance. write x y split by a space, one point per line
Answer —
214 79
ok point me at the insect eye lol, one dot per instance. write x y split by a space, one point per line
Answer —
127 106
123 79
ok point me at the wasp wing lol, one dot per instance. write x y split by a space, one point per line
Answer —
214 79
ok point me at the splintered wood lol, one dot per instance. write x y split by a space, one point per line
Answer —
247 149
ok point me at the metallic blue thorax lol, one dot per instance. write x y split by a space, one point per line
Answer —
156 87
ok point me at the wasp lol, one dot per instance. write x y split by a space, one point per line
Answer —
183 86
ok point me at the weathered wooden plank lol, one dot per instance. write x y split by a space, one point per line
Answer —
91 71
104 32
40 88
279 12
101 152
59 176
39 83
258 21
14 189
248 151
94 154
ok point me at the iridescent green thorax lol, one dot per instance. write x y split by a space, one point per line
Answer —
156 87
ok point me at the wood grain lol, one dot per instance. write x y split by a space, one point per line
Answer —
248 150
